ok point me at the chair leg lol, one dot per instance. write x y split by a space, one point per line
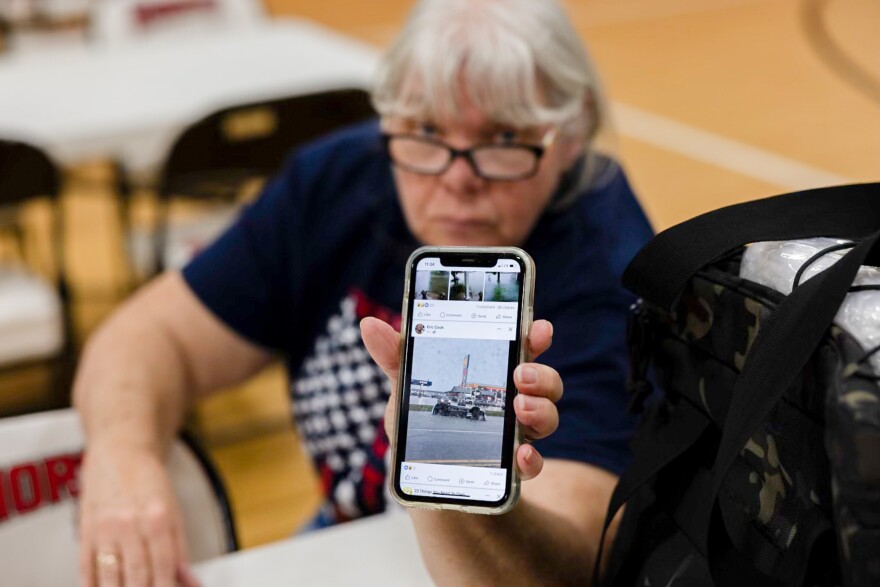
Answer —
64 365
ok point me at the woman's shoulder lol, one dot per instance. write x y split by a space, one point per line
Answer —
608 188
613 213
600 230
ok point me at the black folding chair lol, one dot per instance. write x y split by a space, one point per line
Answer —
36 328
217 157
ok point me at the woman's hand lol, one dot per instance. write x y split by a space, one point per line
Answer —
131 530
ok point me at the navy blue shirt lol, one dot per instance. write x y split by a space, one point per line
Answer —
326 245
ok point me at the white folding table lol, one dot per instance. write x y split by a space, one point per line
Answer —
380 551
129 102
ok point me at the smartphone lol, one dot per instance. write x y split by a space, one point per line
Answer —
466 318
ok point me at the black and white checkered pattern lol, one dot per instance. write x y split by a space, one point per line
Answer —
339 398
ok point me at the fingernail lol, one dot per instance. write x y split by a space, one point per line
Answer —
529 455
527 374
527 402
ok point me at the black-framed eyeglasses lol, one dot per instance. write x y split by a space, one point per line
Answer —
430 156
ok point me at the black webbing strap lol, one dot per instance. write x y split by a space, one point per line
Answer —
663 268
660 448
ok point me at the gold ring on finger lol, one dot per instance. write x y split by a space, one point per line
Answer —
106 559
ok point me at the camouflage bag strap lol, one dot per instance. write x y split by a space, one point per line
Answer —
782 348
662 269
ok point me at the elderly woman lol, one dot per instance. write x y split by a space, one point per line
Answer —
488 110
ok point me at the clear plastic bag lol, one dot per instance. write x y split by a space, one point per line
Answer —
776 263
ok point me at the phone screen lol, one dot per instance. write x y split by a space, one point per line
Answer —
456 427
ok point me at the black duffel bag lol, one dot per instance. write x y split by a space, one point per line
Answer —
759 464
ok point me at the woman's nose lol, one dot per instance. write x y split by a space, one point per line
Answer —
461 177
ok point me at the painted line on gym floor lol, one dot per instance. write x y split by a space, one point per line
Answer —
621 13
681 138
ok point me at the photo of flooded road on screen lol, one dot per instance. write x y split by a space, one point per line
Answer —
457 400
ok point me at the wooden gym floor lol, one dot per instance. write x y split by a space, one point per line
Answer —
713 103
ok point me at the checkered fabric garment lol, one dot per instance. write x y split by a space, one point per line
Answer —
339 398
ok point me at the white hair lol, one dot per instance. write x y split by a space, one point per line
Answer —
520 62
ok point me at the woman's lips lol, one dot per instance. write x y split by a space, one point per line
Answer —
464 224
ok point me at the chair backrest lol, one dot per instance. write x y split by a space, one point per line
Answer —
26 172
214 156
40 456
217 156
